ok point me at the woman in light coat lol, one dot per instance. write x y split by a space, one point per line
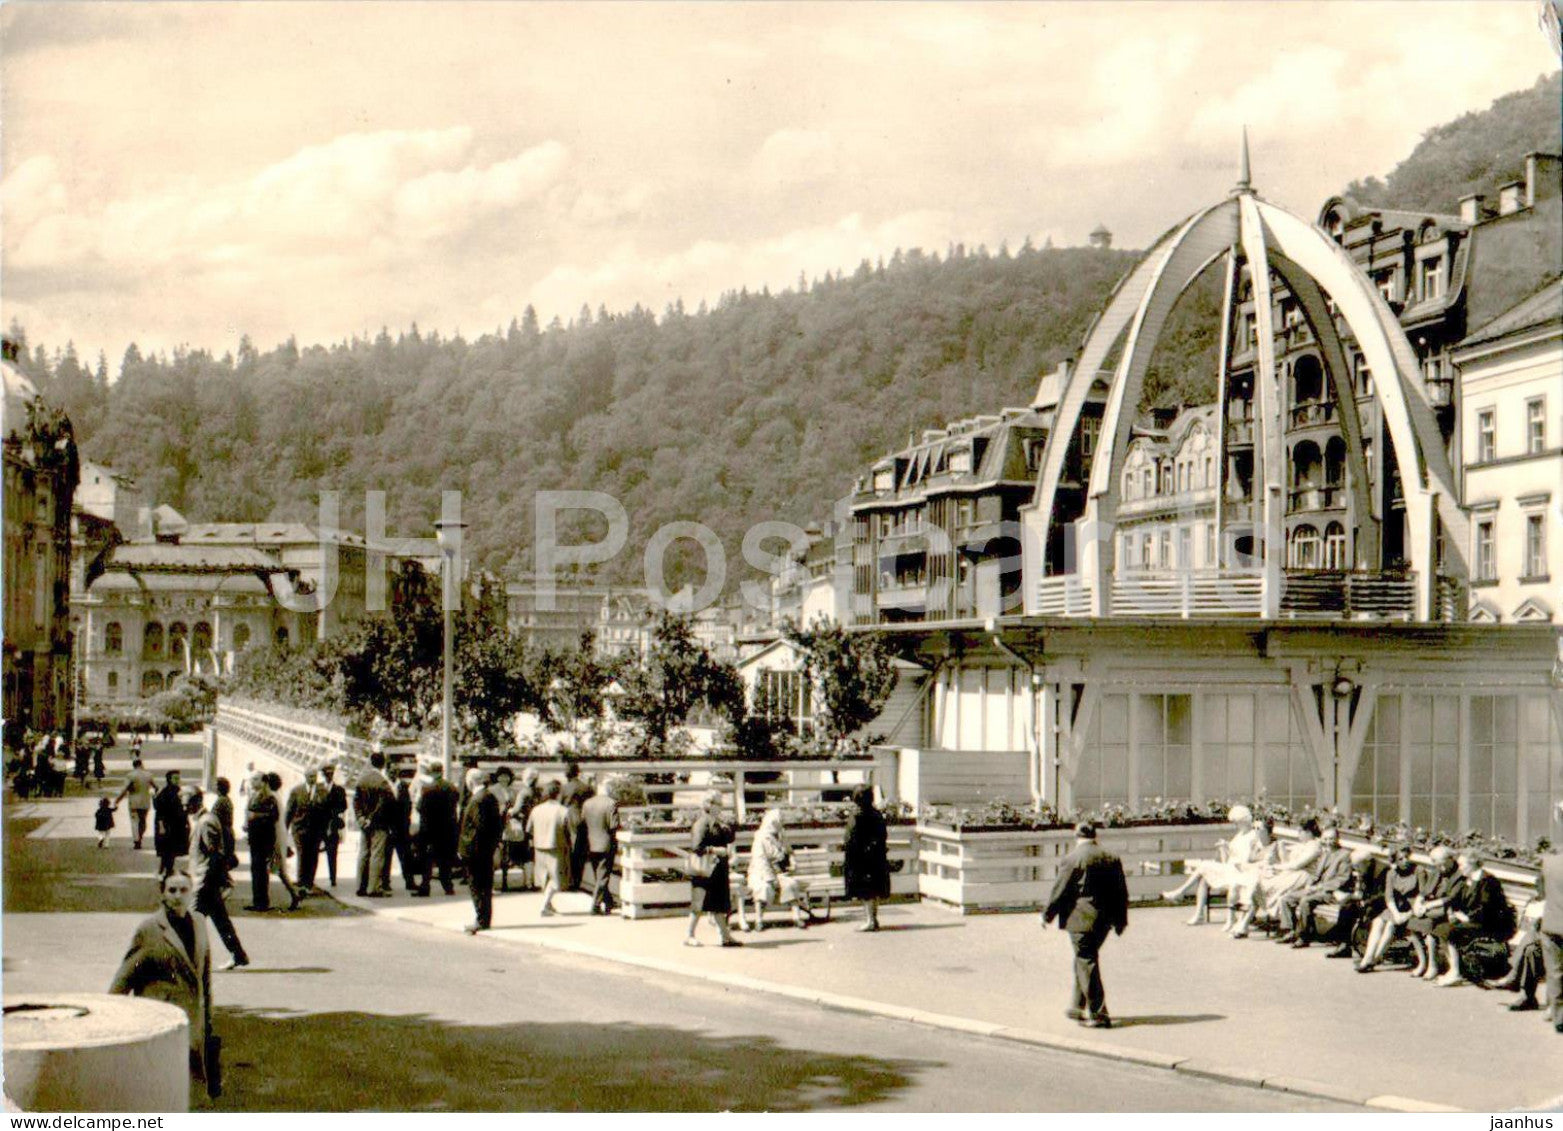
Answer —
769 878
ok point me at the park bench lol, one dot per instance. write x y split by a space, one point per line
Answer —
816 871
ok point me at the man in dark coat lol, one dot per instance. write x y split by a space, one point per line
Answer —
1333 875
482 825
1478 910
1089 900
304 817
437 821
222 808
573 796
401 837
261 818
373 802
335 819
170 824
1361 900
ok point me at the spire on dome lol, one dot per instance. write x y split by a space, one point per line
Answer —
1244 177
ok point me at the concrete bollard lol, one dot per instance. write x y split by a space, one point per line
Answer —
96 1052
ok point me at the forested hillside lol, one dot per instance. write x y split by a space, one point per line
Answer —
766 407
1474 153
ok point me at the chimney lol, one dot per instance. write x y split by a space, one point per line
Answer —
1471 208
1543 177
1511 197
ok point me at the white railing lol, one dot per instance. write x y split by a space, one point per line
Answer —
1067 595
1207 592
305 745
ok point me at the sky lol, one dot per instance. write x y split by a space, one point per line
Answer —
183 174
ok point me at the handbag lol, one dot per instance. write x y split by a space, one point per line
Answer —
700 865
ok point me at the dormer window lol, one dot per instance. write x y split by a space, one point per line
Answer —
1387 285
884 479
1432 278
960 461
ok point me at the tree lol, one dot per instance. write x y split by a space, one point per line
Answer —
574 682
853 673
677 675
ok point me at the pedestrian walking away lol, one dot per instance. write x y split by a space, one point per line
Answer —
335 819
572 796
211 871
438 827
518 843
866 856
549 829
1090 900
103 820
137 793
482 825
169 960
600 822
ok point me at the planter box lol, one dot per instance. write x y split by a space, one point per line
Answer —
1014 869
646 858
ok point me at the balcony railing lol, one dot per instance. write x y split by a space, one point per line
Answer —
1440 392
1344 594
1349 594
1240 431
1067 595
903 595
1316 499
1238 510
1313 413
1194 499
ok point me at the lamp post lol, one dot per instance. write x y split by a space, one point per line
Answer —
448 533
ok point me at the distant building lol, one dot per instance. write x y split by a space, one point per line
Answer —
1511 389
1101 237
1167 507
553 617
41 471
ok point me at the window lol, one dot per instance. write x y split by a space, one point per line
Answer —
1335 546
151 682
1185 547
113 638
1535 546
1090 426
1149 482
1363 378
1536 425
1128 484
1305 548
1486 564
1210 473
1210 545
1385 281
1433 370
1432 278
152 641
241 637
282 636
1164 549
113 683
1486 435
785 695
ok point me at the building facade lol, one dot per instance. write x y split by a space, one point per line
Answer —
41 471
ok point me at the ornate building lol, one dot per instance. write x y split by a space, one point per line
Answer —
41 473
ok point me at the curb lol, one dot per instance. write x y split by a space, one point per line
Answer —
1191 1066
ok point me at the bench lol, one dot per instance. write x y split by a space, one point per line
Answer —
814 871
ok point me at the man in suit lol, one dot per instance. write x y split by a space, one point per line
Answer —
401 836
1333 875
212 876
437 828
168 960
1090 899
573 796
261 818
304 817
1361 901
373 802
222 809
336 809
1551 934
600 821
482 825
170 825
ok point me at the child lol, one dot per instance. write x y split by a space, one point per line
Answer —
104 821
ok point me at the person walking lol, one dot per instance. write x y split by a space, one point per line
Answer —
518 843
865 866
373 801
482 825
548 826
137 792
572 796
1089 900
710 876
211 871
95 744
600 822
334 820
437 829
261 818
301 817
170 824
103 820
169 960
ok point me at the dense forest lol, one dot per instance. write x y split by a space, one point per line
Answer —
765 407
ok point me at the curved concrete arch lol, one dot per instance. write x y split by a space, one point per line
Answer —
1310 263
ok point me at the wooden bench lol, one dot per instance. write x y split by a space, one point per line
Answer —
812 869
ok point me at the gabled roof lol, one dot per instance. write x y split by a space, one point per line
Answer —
1541 308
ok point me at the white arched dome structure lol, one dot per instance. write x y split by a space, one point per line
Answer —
1326 284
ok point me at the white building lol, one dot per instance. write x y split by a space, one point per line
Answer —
1511 385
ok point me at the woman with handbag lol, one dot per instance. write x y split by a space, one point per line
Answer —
710 878
770 878
517 848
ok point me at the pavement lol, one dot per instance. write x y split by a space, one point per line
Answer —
1185 1000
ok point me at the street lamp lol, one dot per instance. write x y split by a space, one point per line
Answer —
448 533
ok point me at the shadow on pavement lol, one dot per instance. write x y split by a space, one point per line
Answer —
352 1061
281 970
1167 1019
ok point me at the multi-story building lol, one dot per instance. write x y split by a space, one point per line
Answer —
41 470
553 617
1511 393
937 524
1167 516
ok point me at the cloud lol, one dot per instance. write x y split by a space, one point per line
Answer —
792 157
1302 90
1119 116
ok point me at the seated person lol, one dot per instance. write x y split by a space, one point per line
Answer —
1362 899
1478 909
1297 906
770 879
1430 908
1237 859
1401 884
1529 966
1246 891
1299 866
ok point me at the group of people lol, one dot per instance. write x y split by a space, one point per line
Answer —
1453 916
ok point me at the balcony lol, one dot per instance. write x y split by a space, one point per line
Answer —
1440 392
1238 510
1312 414
1334 594
1176 502
904 543
1240 432
1326 498
1349 594
907 596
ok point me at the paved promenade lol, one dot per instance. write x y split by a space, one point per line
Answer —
1247 1011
